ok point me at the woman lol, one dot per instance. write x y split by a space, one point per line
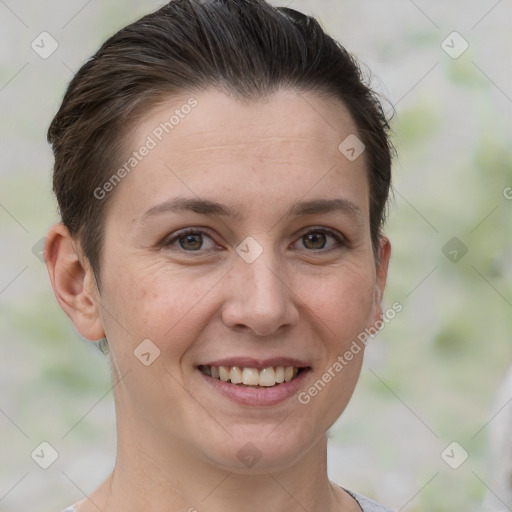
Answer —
222 173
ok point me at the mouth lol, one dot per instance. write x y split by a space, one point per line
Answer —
267 377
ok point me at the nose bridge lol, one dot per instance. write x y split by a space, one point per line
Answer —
266 283
260 298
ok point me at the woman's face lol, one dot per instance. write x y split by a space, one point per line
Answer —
279 272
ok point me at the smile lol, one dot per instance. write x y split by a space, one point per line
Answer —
266 377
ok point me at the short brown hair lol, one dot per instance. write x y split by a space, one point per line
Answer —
243 47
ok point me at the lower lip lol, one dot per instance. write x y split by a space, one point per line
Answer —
257 396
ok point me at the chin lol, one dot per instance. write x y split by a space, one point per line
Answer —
257 450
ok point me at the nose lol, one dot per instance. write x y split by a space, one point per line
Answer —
259 300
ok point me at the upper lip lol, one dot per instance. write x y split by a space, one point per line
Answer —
250 362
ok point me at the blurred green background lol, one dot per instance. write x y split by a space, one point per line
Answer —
429 377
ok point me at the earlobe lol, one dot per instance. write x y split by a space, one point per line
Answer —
73 282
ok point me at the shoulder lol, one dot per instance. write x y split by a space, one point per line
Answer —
366 504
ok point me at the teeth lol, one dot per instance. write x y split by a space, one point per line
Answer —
235 375
250 377
223 373
288 373
267 377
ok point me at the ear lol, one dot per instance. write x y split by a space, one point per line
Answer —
73 282
384 254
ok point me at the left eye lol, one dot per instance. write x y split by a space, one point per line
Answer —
316 239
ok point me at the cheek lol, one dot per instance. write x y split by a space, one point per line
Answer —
342 306
151 301
342 301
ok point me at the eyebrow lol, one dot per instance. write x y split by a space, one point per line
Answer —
212 208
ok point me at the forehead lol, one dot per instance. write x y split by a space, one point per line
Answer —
286 145
212 115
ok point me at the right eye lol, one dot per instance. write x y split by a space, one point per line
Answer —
190 240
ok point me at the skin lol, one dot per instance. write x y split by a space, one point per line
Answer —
177 438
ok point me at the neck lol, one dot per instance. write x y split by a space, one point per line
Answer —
161 476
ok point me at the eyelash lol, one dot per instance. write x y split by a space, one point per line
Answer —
340 240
